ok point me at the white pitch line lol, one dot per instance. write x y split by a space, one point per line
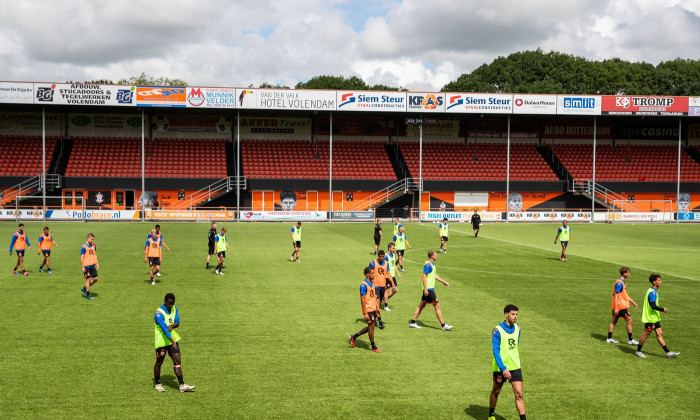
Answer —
577 255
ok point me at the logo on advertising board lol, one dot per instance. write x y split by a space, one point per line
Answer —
426 102
126 96
482 103
211 97
243 94
288 99
45 94
16 93
645 105
195 97
166 96
370 101
578 105
534 104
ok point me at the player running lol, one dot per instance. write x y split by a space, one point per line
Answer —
505 364
444 233
370 309
564 236
401 242
651 317
167 318
620 307
45 243
428 296
296 241
88 260
20 243
151 254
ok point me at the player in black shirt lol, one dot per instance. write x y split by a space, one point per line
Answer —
212 243
377 235
476 221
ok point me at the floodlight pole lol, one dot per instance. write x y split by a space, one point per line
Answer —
238 164
330 172
595 133
507 172
678 183
42 183
143 163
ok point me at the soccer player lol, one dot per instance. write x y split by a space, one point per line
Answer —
382 279
212 243
428 296
88 259
161 244
20 243
391 258
476 223
221 247
151 254
45 242
444 233
564 236
620 307
506 361
377 235
397 225
296 241
370 309
167 318
401 242
651 317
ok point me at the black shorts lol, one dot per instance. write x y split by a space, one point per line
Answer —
651 326
445 238
622 313
372 316
297 244
211 249
380 292
515 376
19 253
46 252
221 254
153 261
475 226
564 243
90 272
430 299
399 252
161 351
377 239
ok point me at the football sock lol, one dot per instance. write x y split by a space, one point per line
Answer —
87 293
522 417
609 335
373 345
629 336
442 324
665 349
151 278
492 412
354 336
180 380
156 379
639 347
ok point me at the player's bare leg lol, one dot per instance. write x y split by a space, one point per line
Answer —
495 392
419 309
438 312
518 393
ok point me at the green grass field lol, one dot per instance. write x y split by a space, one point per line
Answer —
269 339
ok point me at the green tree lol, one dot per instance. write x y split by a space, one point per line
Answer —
334 83
146 80
266 85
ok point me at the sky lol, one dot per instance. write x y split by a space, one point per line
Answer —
416 44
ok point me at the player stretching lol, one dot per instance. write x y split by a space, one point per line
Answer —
506 361
444 233
20 243
167 318
151 254
620 307
296 241
45 242
564 236
370 308
88 259
428 296
651 317
401 242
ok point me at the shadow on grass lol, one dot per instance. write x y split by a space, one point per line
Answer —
600 337
622 346
480 412
170 382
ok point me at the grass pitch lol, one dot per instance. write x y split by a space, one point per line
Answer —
269 338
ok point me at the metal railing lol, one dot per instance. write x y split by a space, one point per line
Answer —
211 192
401 187
30 185
604 196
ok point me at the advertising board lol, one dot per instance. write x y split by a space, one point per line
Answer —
83 94
299 100
259 216
548 216
366 216
486 216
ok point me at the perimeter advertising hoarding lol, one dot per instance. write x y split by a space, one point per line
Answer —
297 100
11 214
548 216
479 103
488 216
578 105
189 215
259 216
371 101
92 214
353 215
645 105
426 102
689 217
83 94
535 104
16 93
161 96
210 97
633 217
